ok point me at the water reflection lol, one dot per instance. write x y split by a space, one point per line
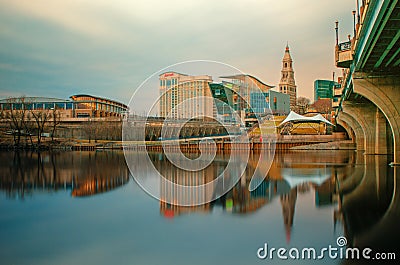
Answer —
303 199
84 174
369 204
291 173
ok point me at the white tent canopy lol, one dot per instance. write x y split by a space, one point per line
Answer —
297 176
297 118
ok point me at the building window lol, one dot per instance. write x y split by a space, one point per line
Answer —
17 106
38 106
28 106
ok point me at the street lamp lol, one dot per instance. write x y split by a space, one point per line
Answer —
354 23
337 32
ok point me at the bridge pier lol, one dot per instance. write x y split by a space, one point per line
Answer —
365 115
381 146
358 131
383 92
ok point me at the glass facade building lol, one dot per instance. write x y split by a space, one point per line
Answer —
323 89
80 106
270 102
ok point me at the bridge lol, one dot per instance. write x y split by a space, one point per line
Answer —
369 107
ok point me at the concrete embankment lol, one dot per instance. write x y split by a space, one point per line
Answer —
337 145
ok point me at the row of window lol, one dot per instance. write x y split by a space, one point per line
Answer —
285 89
168 82
60 105
174 82
97 100
285 75
35 106
287 64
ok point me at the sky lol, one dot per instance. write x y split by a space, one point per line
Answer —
108 48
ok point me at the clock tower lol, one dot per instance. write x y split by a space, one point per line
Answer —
287 85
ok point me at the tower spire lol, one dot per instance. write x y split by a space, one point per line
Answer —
287 84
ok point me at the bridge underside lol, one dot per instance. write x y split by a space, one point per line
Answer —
370 104
382 52
372 112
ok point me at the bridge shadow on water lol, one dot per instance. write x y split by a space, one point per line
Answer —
369 205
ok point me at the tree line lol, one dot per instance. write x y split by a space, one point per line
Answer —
32 126
28 123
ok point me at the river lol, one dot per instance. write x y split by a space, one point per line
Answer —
86 208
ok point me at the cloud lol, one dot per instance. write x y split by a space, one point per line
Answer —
68 14
104 47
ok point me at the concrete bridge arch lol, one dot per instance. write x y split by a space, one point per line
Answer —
364 113
383 92
358 131
348 129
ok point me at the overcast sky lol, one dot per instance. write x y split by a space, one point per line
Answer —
108 48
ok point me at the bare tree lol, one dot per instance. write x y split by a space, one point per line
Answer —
41 117
323 105
302 105
29 126
56 119
109 129
3 116
17 117
103 130
91 129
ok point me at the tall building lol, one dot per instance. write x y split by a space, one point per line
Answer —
271 101
242 86
181 96
324 89
287 85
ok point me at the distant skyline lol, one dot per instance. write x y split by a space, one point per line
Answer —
60 48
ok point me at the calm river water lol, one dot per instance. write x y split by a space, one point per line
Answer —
85 208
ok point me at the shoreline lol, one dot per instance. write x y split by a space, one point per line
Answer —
184 146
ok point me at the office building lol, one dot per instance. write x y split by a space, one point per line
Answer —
270 102
184 96
78 106
324 89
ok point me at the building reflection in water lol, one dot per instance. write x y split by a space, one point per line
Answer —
290 174
364 188
84 174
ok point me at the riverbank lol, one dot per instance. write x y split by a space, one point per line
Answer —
337 145
281 142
